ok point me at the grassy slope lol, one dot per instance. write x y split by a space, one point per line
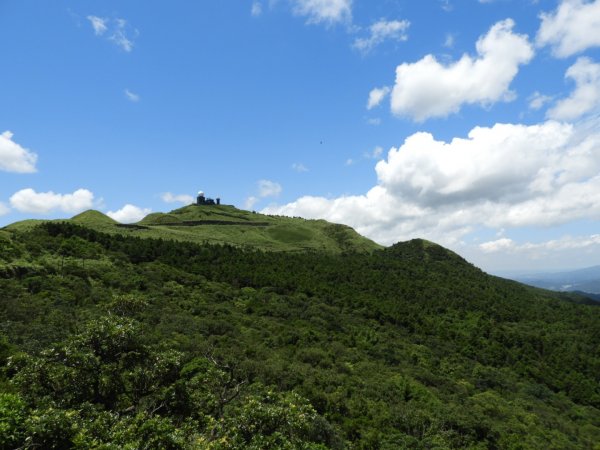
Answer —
227 224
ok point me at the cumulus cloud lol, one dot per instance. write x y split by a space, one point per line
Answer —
376 96
507 175
13 157
115 30
428 88
30 201
381 31
168 197
585 97
129 214
497 245
571 28
324 11
491 163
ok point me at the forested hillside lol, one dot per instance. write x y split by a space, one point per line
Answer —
113 341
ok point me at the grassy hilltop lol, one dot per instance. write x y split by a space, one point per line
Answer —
224 224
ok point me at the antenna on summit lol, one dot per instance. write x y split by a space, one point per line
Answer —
201 200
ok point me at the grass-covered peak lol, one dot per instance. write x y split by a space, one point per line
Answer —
91 217
205 213
226 224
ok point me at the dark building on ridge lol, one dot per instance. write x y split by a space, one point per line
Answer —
201 200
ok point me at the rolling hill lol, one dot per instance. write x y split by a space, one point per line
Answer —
227 224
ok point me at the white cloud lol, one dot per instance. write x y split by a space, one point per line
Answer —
585 97
563 243
350 162
299 167
250 202
571 28
119 35
98 24
324 11
376 96
168 197
375 153
506 164
115 30
4 209
30 201
267 188
508 175
428 88
256 9
381 31
375 121
497 245
132 97
537 100
13 157
129 214
562 253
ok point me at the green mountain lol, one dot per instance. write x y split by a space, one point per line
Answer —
93 218
225 224
117 337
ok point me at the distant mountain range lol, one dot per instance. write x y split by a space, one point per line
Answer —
585 280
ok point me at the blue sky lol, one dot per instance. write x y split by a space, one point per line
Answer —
471 123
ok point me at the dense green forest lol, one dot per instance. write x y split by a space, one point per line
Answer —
110 341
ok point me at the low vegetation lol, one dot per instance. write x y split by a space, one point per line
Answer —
225 224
